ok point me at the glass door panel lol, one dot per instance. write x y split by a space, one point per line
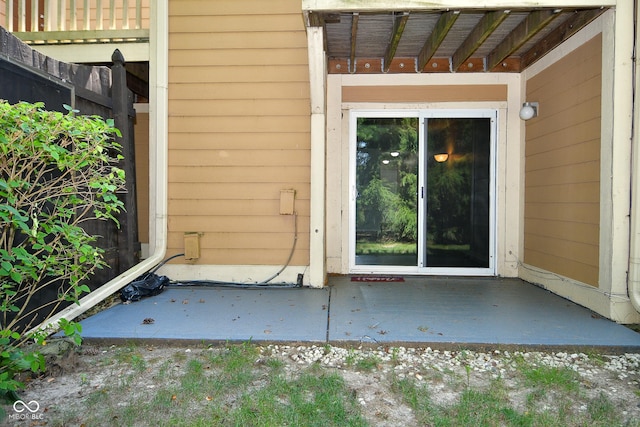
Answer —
457 196
422 199
386 208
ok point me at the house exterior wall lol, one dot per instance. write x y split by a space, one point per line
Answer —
567 229
562 172
238 133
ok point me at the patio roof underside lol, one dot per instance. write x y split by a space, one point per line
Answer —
444 41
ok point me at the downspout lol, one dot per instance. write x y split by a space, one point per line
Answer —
634 238
158 165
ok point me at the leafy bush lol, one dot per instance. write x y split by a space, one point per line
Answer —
57 171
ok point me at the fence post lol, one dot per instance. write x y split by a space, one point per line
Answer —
123 114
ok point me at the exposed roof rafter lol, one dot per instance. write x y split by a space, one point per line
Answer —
444 41
487 25
399 23
533 23
565 30
354 38
436 38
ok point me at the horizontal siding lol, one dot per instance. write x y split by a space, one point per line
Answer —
224 41
272 108
440 93
240 240
564 156
278 226
233 23
265 9
584 131
563 212
224 208
263 123
193 139
239 90
562 169
235 191
230 174
251 57
242 159
579 271
222 73
239 129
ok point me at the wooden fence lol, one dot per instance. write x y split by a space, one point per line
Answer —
27 75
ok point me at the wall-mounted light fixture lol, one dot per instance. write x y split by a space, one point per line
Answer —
529 110
441 157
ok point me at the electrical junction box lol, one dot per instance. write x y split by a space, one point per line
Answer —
191 246
287 202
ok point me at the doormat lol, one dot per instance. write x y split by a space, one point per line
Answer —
377 279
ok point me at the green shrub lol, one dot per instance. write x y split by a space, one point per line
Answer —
57 171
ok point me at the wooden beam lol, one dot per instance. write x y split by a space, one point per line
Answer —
473 65
436 37
354 38
433 5
399 23
402 65
487 25
87 36
314 19
565 30
533 23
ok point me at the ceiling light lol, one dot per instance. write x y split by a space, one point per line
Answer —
441 157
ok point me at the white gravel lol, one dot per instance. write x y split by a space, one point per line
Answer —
617 376
498 362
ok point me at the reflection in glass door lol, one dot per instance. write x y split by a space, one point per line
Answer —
457 195
422 197
386 206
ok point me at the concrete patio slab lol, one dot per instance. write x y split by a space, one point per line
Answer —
219 314
417 311
487 311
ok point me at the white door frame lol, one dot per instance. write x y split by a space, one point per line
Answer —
422 115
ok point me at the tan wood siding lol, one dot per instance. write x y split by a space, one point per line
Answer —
562 172
239 129
441 93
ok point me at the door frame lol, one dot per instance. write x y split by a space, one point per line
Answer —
423 114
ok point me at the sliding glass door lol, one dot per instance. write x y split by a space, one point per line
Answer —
422 191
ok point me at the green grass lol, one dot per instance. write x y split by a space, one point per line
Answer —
237 385
491 405
550 377
233 386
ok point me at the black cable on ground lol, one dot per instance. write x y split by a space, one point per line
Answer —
218 283
259 285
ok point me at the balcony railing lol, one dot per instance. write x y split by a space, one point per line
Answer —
77 21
